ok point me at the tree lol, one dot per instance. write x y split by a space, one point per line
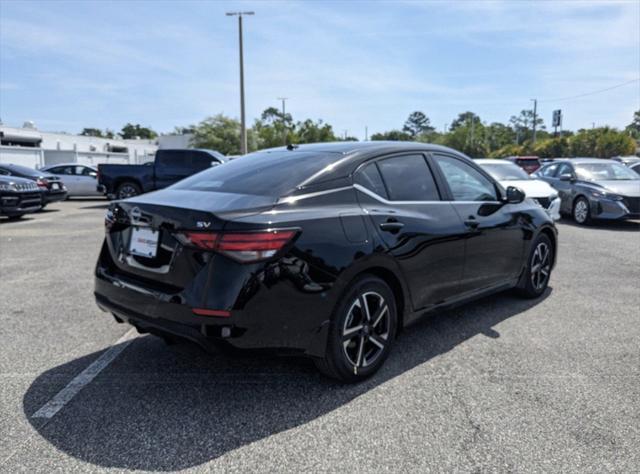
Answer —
273 130
508 150
392 135
499 135
552 148
469 138
601 142
417 124
313 132
634 127
91 132
130 131
523 125
218 133
464 118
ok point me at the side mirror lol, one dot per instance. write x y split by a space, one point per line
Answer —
215 163
566 177
93 174
514 195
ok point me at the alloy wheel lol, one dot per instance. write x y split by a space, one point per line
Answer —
127 191
540 266
581 211
365 333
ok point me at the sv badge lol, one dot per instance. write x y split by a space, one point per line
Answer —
203 224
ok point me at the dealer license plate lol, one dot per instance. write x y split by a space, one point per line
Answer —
144 242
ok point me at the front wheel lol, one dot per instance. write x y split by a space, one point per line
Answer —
538 271
581 211
362 331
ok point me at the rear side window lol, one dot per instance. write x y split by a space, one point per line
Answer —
261 174
370 178
408 178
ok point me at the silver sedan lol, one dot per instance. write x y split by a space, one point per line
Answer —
80 180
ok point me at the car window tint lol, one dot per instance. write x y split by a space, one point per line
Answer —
465 182
201 160
370 178
549 170
262 173
564 169
408 178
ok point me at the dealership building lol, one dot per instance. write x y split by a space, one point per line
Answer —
31 147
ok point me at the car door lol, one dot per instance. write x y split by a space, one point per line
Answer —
423 233
87 180
172 166
494 243
563 180
68 177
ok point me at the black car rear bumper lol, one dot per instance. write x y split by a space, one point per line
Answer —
265 323
54 196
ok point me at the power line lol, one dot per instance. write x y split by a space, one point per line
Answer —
591 93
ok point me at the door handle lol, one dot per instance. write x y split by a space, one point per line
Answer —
471 222
392 226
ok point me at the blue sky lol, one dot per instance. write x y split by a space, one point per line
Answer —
69 65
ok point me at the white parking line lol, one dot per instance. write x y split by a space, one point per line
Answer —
65 395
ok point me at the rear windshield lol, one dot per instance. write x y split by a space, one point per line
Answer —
22 170
261 174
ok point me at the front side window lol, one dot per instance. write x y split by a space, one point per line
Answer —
465 182
564 169
550 170
369 177
408 178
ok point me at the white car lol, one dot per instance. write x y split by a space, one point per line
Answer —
80 180
509 174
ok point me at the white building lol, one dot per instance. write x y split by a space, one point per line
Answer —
30 147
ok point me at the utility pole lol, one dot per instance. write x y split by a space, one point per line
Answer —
535 116
345 134
284 122
243 124
366 133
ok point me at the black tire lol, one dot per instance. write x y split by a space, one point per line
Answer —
581 212
538 271
128 189
15 217
357 346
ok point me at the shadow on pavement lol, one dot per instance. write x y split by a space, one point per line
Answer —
620 226
97 206
162 409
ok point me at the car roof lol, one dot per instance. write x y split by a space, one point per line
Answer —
350 155
46 167
584 160
348 147
493 161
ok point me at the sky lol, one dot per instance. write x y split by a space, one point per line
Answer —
70 65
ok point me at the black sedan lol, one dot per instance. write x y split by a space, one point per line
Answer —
54 189
592 188
325 250
19 196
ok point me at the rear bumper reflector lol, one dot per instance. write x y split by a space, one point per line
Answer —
211 312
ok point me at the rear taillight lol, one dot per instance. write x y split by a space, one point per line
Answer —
243 247
43 183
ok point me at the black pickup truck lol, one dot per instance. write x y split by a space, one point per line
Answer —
169 166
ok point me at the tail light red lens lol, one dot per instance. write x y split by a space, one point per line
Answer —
43 183
243 247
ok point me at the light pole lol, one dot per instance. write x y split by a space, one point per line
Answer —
284 122
243 127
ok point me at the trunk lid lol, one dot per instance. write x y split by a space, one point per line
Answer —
155 218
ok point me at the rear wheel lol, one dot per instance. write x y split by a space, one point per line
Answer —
581 211
362 331
127 190
538 272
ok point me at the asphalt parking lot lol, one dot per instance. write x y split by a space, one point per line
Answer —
501 385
